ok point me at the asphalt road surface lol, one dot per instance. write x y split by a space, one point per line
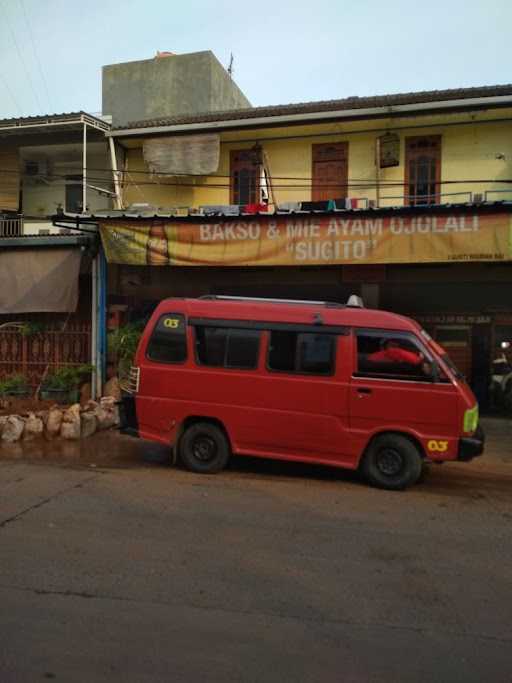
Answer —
116 567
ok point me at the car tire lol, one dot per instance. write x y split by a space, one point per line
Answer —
392 462
204 448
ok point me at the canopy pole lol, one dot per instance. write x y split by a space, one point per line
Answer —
115 173
94 326
84 170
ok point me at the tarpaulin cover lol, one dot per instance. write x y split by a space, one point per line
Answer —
312 240
39 280
187 155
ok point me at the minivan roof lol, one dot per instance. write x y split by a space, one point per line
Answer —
276 311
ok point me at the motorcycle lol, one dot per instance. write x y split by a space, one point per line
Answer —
501 383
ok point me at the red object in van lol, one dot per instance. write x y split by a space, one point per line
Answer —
305 381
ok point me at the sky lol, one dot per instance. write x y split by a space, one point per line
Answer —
52 51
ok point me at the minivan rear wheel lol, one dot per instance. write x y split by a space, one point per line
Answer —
204 448
392 462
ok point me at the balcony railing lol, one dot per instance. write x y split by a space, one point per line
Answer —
11 225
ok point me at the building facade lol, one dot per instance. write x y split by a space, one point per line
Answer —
404 199
52 164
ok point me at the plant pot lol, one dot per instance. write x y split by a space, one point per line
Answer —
60 395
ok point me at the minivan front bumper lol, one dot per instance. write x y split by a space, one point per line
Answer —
471 447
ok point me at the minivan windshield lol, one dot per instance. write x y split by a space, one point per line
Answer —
444 356
453 368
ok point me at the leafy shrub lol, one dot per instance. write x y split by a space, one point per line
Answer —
67 378
14 384
123 344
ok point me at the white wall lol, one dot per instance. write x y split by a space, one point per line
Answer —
42 197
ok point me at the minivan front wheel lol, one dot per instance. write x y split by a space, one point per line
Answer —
204 448
392 462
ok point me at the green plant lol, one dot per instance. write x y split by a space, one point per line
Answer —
123 344
67 378
14 384
29 329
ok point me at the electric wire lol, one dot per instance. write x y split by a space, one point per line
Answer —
20 54
305 182
10 93
36 56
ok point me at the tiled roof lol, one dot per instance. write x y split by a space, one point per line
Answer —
348 103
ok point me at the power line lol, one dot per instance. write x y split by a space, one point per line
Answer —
20 54
10 92
304 181
38 61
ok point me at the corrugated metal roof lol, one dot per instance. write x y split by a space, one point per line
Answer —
24 122
347 103
77 240
192 218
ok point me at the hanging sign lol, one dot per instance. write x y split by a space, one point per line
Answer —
310 240
389 150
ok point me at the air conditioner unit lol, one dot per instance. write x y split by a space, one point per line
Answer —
40 169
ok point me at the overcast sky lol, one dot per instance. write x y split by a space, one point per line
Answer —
51 51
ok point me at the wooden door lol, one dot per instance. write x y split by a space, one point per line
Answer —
330 171
245 172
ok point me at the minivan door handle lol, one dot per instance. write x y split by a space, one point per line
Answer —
364 390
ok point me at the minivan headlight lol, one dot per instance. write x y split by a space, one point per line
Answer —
471 419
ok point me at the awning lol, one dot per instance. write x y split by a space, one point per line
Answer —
344 238
39 280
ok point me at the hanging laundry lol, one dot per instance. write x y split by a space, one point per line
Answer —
315 206
220 210
289 206
254 208
351 203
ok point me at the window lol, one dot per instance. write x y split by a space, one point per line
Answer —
227 347
330 171
245 170
74 194
168 343
423 170
301 352
383 354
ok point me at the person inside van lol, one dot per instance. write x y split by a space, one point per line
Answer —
392 352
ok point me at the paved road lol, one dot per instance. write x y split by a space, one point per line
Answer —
134 571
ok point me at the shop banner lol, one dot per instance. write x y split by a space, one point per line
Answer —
310 240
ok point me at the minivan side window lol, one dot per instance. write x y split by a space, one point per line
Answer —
382 354
301 352
227 347
168 343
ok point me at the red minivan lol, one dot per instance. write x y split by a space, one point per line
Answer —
295 380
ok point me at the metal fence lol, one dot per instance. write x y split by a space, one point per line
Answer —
11 226
36 355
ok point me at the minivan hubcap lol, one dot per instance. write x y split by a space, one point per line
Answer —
389 461
204 448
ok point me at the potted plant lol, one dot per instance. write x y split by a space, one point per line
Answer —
62 385
15 385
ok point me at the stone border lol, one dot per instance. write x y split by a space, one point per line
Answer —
75 422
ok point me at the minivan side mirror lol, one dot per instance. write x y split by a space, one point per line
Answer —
431 370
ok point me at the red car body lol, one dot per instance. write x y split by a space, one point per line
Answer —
329 418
